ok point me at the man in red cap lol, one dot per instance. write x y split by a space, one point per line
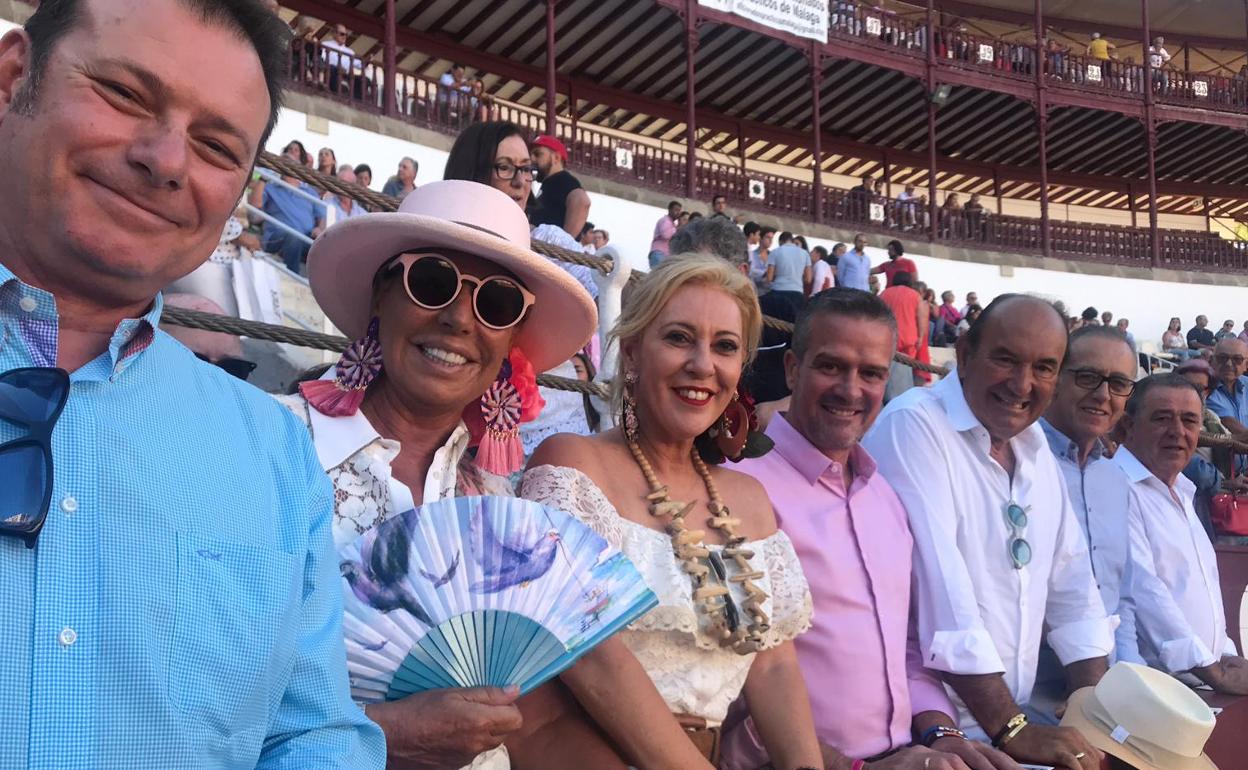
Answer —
563 202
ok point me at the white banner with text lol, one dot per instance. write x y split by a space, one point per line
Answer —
804 18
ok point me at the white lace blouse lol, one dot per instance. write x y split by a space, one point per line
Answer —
693 673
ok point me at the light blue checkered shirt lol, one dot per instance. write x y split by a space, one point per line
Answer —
183 608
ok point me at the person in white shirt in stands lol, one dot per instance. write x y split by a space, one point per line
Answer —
340 59
1179 613
999 555
1158 56
1092 391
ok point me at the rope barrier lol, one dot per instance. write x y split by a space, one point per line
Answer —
377 202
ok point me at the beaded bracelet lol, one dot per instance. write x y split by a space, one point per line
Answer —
933 734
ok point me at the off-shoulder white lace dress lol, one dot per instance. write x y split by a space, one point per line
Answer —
693 673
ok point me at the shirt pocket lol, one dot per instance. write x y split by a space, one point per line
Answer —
235 632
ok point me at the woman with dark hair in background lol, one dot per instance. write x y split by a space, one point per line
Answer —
326 161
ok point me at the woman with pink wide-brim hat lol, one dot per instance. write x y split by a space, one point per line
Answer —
452 313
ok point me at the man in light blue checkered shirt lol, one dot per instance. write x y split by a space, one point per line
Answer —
182 606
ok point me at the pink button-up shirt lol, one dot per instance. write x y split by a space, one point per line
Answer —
862 667
664 229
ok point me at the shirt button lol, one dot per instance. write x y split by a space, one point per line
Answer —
67 636
69 504
28 304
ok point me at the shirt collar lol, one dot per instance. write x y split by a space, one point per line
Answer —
1239 387
1138 473
806 458
1066 448
949 391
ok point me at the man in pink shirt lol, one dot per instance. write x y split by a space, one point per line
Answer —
871 696
664 229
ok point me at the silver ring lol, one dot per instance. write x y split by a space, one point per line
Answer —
1081 755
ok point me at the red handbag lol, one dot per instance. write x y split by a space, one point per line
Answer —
1228 511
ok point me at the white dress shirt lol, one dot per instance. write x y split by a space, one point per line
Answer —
1179 615
977 614
1098 492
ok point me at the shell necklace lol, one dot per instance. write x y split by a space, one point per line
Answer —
712 597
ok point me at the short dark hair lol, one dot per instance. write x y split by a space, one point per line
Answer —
606 236
840 301
821 251
750 228
1091 314
672 204
1154 381
976 331
902 278
718 197
364 168
268 35
896 245
716 235
765 231
472 155
786 236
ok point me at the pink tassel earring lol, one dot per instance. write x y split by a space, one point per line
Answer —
501 451
359 366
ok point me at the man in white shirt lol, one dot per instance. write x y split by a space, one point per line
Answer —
998 552
1180 618
1092 391
1158 56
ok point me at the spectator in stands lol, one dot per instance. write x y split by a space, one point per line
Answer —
683 219
563 202
1229 399
1227 330
975 216
951 221
1122 327
1097 377
344 206
972 299
788 271
822 273
897 262
483 106
947 319
327 162
719 208
1158 57
1199 337
1099 49
713 235
912 318
759 259
1208 467
1243 335
602 247
123 160
664 229
1107 318
908 204
364 175
453 87
339 58
294 206
985 500
969 318
854 545
1180 621
853 269
1174 343
1089 317
586 238
404 180
858 200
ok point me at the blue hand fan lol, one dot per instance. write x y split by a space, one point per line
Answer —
472 591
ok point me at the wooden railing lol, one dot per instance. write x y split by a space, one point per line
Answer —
601 153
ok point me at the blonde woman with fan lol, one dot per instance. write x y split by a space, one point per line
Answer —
452 313
731 591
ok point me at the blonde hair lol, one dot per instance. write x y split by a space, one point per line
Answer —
646 299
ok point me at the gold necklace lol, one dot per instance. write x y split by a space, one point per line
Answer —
712 598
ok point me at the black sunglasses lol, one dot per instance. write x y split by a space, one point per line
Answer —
33 399
239 367
432 281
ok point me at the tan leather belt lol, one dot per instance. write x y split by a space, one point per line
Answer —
704 737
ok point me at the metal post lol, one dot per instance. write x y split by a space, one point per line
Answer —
1042 130
888 174
816 85
691 120
1150 141
931 120
572 110
1131 202
996 188
552 121
389 60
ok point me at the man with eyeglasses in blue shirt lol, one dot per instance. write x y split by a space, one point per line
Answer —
1229 399
172 598
1091 395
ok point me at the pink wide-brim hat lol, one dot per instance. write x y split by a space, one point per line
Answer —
465 216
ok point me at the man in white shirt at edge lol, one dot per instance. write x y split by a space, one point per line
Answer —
1179 613
963 456
1092 391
